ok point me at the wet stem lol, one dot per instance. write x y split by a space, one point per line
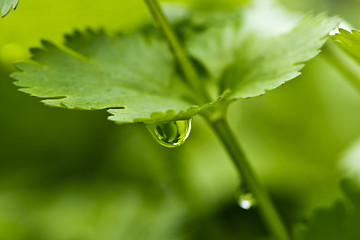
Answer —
266 209
217 121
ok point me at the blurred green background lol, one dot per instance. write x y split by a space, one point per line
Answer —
73 175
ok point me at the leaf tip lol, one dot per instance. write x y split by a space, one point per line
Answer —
47 44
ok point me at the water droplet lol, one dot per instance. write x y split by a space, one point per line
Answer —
170 134
245 198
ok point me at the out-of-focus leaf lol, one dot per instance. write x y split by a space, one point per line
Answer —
5 6
349 41
341 221
78 212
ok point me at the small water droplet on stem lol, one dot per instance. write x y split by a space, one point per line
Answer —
245 198
170 134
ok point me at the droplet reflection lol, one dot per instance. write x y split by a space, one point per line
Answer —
245 198
170 134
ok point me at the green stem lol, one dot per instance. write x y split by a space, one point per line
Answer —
344 63
218 123
266 208
181 56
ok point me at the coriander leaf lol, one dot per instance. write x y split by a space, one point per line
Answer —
249 60
266 64
129 75
226 31
5 6
338 222
349 41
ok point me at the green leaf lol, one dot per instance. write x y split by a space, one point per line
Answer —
5 6
135 76
87 212
341 221
129 75
349 41
249 60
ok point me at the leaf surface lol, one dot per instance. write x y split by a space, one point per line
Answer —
129 75
5 6
135 77
250 60
341 221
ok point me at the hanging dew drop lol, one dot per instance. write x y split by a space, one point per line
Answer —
245 198
170 134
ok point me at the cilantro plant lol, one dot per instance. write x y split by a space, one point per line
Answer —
337 222
163 76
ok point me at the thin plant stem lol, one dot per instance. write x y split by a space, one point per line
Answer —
217 121
266 209
179 53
